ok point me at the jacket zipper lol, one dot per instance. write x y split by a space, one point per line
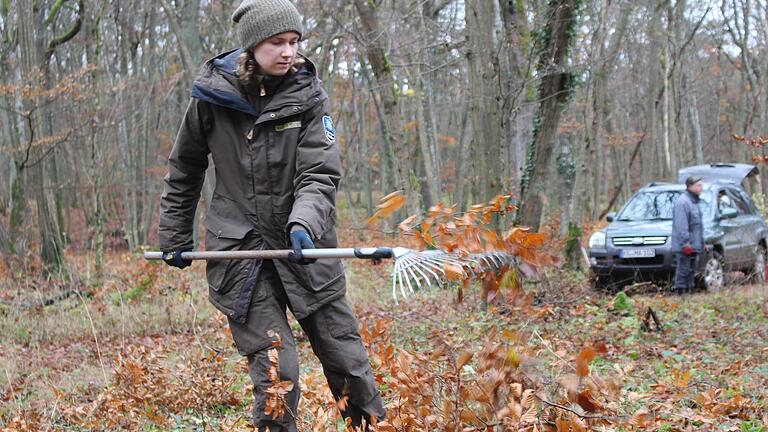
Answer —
250 152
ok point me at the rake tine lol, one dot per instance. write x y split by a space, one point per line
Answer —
433 268
415 278
432 264
409 260
437 259
426 277
414 266
491 261
408 281
396 278
403 263
417 270
471 265
394 284
451 260
402 286
487 261
433 261
411 275
500 258
402 273
424 266
478 265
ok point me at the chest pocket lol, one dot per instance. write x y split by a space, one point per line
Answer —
284 136
695 218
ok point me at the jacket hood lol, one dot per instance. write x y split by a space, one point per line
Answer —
217 83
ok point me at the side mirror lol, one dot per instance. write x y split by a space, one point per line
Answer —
610 217
728 213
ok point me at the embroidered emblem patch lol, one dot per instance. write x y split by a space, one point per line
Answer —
289 125
330 134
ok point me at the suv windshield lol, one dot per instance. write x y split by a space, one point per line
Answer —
658 205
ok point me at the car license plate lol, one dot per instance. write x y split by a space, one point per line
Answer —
637 253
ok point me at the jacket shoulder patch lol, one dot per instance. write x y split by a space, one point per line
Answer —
330 134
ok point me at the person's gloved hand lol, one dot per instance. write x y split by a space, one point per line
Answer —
300 240
173 259
687 250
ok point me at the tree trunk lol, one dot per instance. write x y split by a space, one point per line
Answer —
484 106
392 127
554 90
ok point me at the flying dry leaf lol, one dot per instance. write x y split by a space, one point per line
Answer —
582 361
528 270
407 224
342 403
387 205
453 271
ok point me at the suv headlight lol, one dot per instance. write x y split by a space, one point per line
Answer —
597 240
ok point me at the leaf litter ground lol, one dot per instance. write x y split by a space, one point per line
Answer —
146 351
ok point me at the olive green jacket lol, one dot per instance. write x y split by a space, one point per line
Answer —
277 163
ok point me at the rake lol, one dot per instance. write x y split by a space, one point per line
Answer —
413 270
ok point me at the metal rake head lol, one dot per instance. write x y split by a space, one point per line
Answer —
422 269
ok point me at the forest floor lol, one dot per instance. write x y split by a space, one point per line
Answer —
144 350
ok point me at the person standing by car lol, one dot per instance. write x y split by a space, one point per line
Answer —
687 235
261 113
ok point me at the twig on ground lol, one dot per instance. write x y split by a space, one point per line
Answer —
565 408
95 338
13 393
646 324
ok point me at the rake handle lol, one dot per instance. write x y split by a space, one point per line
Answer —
359 253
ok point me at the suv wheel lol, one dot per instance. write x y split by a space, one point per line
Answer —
758 269
712 275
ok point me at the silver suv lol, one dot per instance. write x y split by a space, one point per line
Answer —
636 245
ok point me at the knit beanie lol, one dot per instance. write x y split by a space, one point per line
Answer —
256 20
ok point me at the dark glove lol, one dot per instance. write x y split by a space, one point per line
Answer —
300 240
687 250
173 259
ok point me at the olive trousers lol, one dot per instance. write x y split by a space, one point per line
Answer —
332 331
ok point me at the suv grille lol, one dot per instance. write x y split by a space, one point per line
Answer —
639 241
641 262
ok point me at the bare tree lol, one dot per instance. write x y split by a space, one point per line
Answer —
554 90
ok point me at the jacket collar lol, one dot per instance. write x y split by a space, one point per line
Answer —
217 84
